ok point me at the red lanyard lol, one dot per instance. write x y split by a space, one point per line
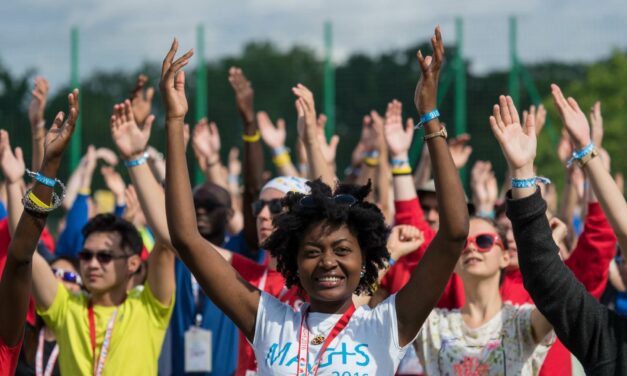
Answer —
303 338
104 349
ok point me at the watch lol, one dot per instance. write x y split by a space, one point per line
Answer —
441 133
586 158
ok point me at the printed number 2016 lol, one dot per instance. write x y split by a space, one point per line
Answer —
346 373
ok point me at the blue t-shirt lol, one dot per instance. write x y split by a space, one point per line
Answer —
224 334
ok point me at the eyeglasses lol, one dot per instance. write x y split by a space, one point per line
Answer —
68 276
103 257
274 206
484 241
341 199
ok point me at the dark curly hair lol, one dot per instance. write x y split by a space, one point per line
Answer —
364 220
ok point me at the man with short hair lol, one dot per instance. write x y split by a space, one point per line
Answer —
110 330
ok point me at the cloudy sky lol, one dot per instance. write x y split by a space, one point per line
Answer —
121 34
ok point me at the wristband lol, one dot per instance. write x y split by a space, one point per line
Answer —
531 182
371 162
37 201
391 261
399 162
401 171
254 138
282 160
280 150
49 182
137 162
579 154
427 117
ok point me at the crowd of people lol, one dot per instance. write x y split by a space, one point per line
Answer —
389 270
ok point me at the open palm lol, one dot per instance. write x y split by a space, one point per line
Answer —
397 137
273 136
130 140
518 143
60 133
172 83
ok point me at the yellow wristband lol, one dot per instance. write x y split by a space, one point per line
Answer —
84 191
371 162
401 171
282 159
37 201
254 138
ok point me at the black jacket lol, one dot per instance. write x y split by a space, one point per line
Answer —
593 333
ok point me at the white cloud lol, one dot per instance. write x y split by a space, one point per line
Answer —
122 34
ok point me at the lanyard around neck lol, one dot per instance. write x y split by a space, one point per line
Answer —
104 349
303 338
39 360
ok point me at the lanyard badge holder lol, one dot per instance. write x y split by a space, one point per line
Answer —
198 345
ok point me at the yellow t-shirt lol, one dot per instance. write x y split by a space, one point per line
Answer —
136 338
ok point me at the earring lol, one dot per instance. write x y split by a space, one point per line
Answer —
363 272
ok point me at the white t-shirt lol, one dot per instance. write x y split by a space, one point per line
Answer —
502 346
367 346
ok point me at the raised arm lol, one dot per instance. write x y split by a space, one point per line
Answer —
274 138
610 197
306 110
13 169
518 144
253 152
37 121
22 269
414 302
206 144
237 298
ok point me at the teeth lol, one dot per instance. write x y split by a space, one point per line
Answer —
329 279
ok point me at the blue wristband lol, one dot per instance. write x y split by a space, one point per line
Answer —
42 179
391 261
427 117
578 154
531 182
136 162
399 162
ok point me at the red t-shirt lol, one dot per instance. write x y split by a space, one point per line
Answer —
9 357
5 239
270 281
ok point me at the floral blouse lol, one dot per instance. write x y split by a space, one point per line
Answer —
502 346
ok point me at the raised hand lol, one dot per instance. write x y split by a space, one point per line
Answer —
518 143
573 118
460 150
129 138
306 110
273 136
397 137
564 147
60 133
172 83
328 149
141 99
484 187
38 103
403 240
115 183
235 165
426 94
107 155
244 94
13 166
132 204
596 121
206 140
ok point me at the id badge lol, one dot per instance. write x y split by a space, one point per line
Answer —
197 350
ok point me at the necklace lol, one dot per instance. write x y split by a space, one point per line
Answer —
320 335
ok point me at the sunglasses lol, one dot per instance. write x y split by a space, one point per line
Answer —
68 276
103 257
341 199
484 242
274 206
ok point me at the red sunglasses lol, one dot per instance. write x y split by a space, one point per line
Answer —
484 241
